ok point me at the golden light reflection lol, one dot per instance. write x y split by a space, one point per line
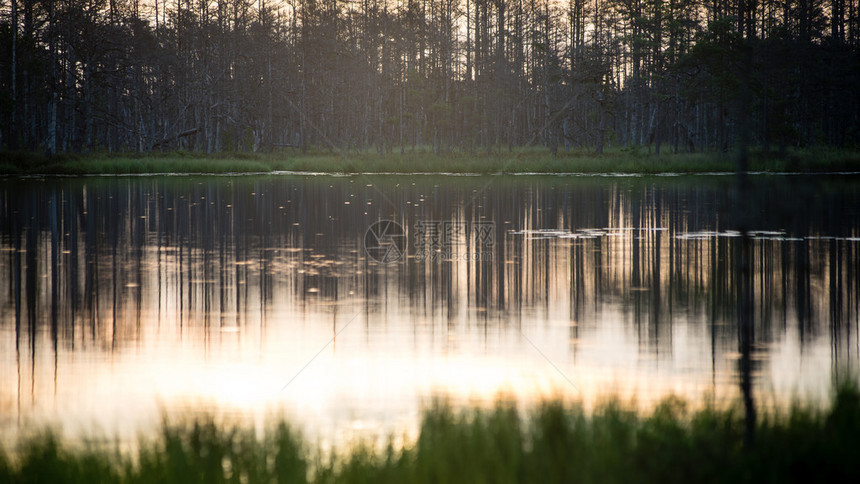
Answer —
270 307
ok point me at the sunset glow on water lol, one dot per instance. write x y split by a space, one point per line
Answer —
126 298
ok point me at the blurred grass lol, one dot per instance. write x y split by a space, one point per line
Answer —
554 442
522 160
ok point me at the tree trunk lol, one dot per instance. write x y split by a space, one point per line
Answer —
13 131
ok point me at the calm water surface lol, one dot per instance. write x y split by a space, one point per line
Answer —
121 298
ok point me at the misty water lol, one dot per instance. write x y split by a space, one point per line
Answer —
122 298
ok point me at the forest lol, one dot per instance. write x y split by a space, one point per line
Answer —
383 76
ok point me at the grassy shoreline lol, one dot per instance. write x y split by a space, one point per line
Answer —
554 442
527 160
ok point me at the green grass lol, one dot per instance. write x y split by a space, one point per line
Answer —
175 162
554 442
524 160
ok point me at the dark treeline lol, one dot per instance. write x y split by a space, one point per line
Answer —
246 75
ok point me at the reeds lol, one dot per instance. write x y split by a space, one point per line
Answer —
554 442
522 160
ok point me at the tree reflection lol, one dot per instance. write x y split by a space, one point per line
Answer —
105 263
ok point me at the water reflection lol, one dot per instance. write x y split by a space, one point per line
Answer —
121 295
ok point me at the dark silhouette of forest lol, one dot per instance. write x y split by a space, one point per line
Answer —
390 75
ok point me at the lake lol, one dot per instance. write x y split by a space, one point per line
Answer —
123 298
